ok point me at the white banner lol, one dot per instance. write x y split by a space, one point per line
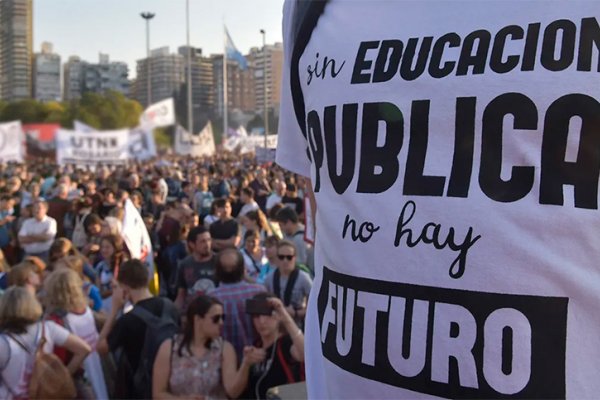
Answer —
158 114
264 155
199 145
249 144
11 142
136 237
92 148
142 145
81 127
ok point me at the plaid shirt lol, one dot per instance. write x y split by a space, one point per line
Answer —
237 328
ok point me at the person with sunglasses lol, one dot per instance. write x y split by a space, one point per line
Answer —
289 282
199 363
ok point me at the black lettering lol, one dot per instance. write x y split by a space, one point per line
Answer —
415 183
496 62
384 58
590 35
406 68
436 70
360 64
464 138
582 174
478 60
384 157
531 43
566 47
349 116
315 141
525 116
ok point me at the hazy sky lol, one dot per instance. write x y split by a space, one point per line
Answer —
88 27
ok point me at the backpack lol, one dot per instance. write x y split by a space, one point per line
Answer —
158 329
287 294
50 378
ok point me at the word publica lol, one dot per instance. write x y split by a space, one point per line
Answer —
444 342
557 52
379 165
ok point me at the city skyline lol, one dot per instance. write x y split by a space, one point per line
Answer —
85 32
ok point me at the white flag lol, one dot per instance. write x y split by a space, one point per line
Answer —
142 145
11 142
91 148
199 145
159 114
81 127
136 237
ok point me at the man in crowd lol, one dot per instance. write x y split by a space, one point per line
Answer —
279 187
225 232
293 231
37 233
289 282
249 204
292 200
195 273
59 206
233 291
261 188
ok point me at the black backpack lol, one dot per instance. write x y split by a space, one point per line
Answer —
158 329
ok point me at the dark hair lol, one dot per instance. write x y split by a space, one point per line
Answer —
248 191
287 243
134 274
220 203
287 214
91 219
271 241
199 306
119 256
251 233
195 232
230 276
272 213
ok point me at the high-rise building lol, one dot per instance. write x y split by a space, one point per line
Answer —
167 74
81 76
106 75
272 55
240 86
73 71
203 91
16 49
46 75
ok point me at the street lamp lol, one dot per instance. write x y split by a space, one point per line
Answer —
189 70
265 101
148 16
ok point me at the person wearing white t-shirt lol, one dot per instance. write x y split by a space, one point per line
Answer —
247 198
278 193
37 233
453 151
20 313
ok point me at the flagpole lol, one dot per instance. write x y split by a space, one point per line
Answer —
225 121
189 70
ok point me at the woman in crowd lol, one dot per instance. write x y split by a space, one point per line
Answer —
67 305
76 263
199 363
4 270
27 274
271 253
63 247
22 330
212 217
254 255
257 220
112 250
282 344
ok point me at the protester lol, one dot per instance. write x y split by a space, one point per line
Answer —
253 255
248 203
67 305
232 292
127 333
196 271
112 250
293 231
225 232
288 282
282 344
256 220
279 188
26 274
22 330
37 233
271 253
203 198
199 363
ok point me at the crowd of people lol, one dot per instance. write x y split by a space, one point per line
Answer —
230 254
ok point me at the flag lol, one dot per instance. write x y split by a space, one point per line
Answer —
136 237
158 114
233 53
195 145
11 142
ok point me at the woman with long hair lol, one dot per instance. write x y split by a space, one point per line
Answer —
67 305
282 345
22 331
254 255
199 363
112 250
257 220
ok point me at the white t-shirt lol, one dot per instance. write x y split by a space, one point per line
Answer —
457 224
31 226
17 371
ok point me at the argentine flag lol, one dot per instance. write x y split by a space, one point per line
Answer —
233 53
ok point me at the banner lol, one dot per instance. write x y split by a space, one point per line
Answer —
199 145
136 237
81 127
159 114
142 145
91 148
265 155
11 142
249 144
40 139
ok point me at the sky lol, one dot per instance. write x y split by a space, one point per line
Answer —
88 27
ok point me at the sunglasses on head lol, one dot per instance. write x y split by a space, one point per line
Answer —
285 257
216 318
